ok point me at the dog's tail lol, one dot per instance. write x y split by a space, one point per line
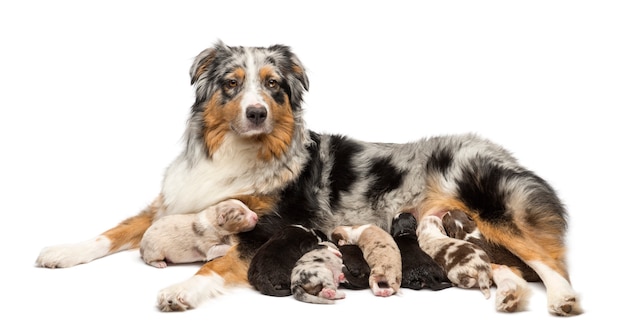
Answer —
300 294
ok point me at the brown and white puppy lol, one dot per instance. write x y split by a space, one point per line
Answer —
381 253
512 290
419 270
466 264
317 275
271 267
196 237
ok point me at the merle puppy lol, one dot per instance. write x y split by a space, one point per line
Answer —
271 267
419 270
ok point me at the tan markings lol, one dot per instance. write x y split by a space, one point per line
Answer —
267 72
239 73
297 69
203 65
231 267
542 243
128 233
259 204
277 143
217 120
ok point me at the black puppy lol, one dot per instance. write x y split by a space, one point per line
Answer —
419 270
271 267
355 268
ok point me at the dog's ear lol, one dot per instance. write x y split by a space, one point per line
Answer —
201 68
294 72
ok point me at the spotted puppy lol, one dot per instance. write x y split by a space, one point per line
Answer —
381 253
419 270
511 280
466 264
196 237
317 275
271 267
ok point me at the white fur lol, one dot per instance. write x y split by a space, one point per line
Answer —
68 255
190 293
512 291
560 292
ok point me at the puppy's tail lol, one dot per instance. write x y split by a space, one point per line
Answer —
300 294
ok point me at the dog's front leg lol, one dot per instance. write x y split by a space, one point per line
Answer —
210 281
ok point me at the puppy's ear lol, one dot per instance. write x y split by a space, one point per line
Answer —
202 61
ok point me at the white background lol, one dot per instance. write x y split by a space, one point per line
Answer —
95 95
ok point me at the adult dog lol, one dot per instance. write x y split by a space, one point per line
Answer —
246 139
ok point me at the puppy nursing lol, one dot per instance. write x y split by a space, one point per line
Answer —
317 275
196 237
419 270
466 264
381 253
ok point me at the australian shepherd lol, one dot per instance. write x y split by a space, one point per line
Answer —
246 139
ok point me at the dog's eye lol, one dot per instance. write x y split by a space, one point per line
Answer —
232 83
271 84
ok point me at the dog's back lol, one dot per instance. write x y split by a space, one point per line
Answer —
419 270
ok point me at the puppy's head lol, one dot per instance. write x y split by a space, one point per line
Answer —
403 224
249 92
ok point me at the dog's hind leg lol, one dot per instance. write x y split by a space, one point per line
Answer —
210 281
126 235
544 251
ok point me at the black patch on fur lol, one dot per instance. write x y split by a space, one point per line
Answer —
480 188
385 178
298 205
342 174
440 161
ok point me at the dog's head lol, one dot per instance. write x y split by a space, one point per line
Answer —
253 93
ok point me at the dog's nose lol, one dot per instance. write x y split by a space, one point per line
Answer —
256 114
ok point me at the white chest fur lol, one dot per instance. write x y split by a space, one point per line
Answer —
191 185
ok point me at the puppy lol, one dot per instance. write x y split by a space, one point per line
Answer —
356 271
466 264
271 267
196 237
419 270
512 290
380 252
317 275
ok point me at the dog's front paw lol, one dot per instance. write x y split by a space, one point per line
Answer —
69 255
190 293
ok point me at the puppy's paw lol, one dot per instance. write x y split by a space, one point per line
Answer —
512 295
190 293
69 255
158 264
